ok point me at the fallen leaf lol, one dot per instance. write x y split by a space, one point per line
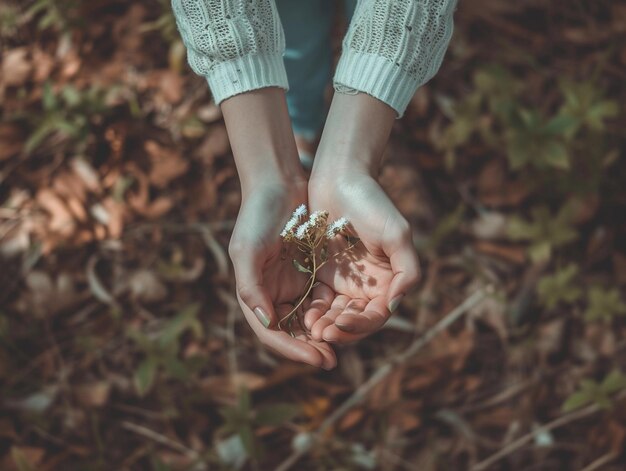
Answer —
16 67
94 394
11 140
145 286
166 164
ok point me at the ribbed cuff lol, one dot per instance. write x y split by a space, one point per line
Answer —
247 73
376 76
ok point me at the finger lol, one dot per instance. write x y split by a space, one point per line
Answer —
336 308
323 297
283 343
329 359
332 334
371 316
405 267
248 273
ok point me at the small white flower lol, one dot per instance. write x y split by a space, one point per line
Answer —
300 211
317 215
291 224
302 230
336 227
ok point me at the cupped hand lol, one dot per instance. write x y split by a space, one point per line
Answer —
267 283
360 287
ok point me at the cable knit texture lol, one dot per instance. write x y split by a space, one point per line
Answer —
237 45
392 47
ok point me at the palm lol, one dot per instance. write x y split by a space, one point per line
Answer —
267 272
352 299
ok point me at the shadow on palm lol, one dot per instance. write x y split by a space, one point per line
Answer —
349 303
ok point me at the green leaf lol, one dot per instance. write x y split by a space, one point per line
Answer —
604 304
177 325
545 231
560 125
145 375
276 414
48 100
555 155
558 287
175 368
299 267
248 439
576 401
244 401
20 460
540 251
614 382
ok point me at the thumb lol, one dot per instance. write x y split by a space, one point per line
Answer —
249 278
406 271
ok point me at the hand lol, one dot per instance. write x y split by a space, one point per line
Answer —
361 287
267 283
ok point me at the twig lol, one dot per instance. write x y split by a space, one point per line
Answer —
520 442
362 392
604 459
162 439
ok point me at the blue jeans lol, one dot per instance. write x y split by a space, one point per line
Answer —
308 59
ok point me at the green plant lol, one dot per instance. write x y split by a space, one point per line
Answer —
160 349
591 392
586 106
604 304
10 19
68 114
558 287
545 232
242 420
59 15
536 141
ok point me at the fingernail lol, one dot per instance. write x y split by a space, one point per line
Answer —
345 327
262 316
395 302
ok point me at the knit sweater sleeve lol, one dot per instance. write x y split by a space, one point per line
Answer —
393 47
237 45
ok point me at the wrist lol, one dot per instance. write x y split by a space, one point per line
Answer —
355 135
261 138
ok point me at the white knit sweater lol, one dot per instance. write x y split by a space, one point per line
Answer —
391 48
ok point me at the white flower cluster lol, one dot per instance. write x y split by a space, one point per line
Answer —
336 227
315 226
299 213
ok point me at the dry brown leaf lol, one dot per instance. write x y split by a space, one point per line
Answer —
351 418
166 164
11 140
145 286
94 394
61 219
86 173
209 113
43 64
16 67
215 144
115 212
